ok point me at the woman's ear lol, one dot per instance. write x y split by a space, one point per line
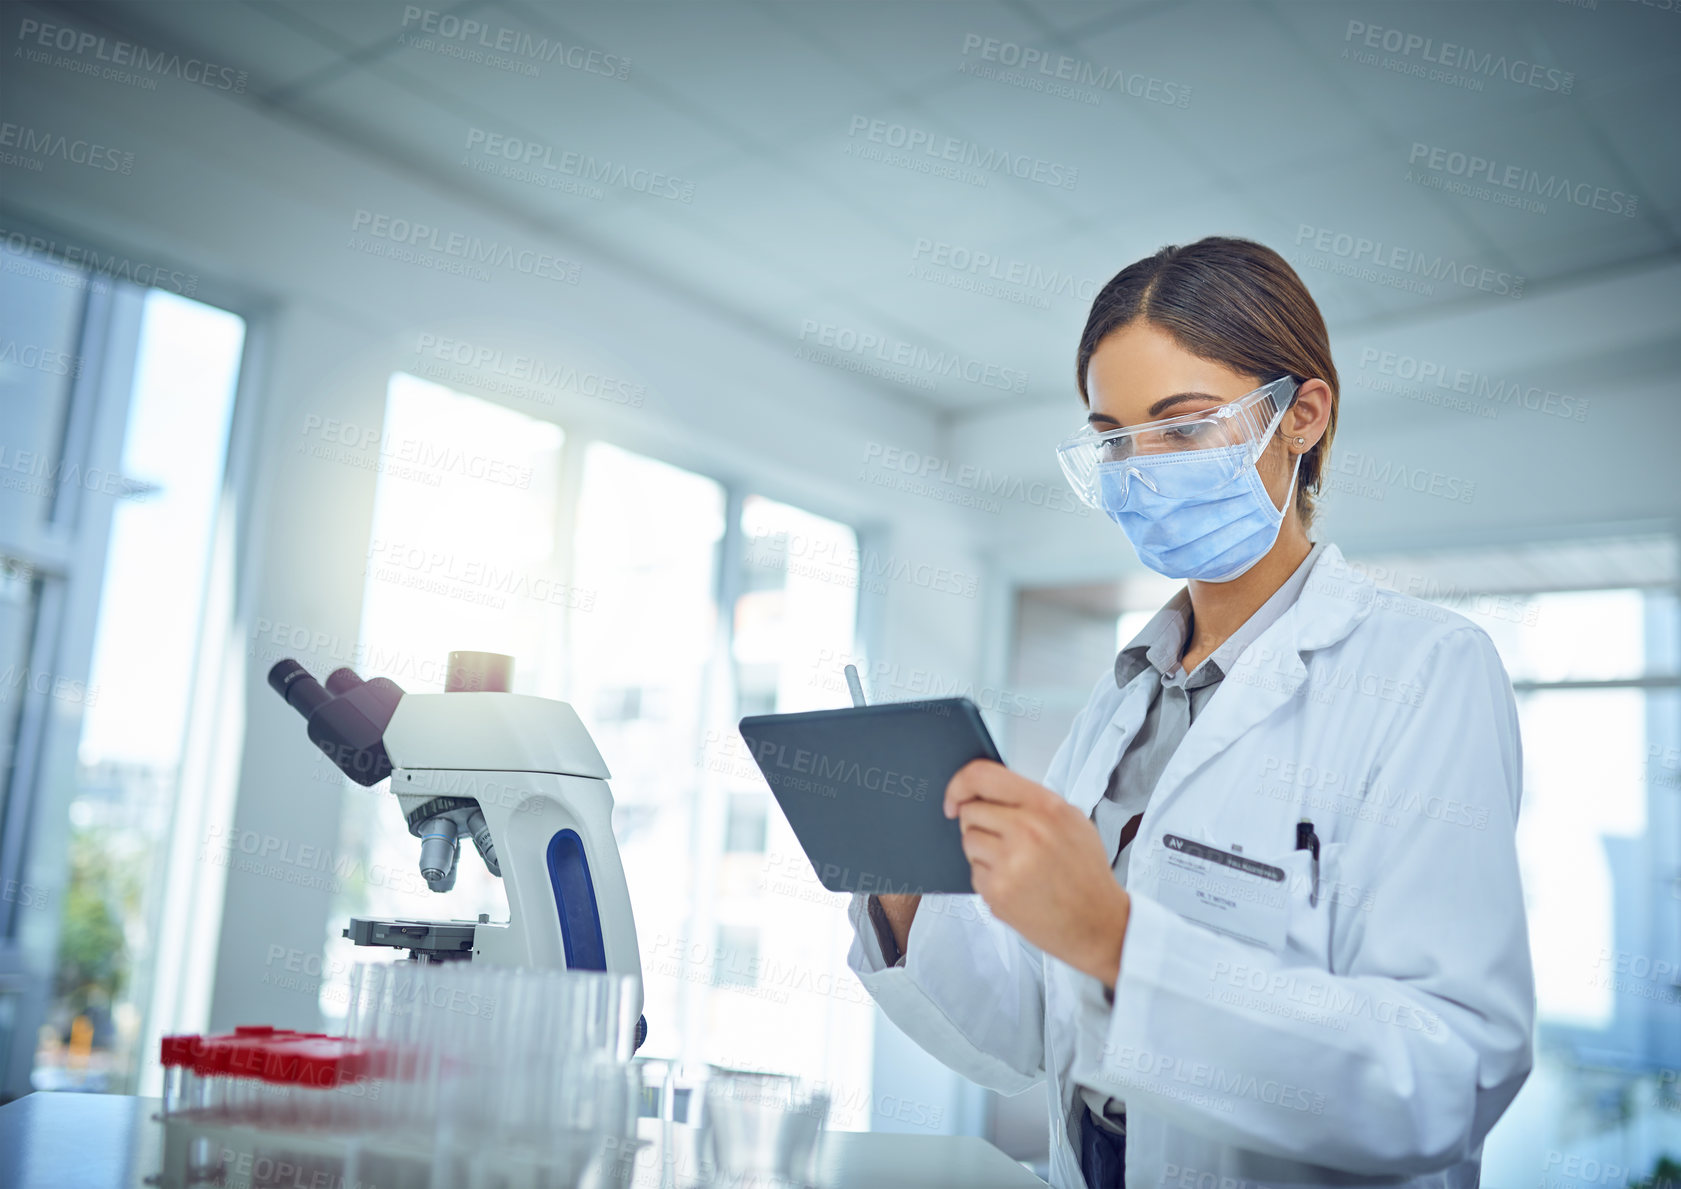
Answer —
1307 416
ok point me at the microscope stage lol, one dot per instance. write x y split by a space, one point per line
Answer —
438 940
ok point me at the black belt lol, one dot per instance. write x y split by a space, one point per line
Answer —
1102 1153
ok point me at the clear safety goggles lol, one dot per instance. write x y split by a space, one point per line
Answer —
1237 430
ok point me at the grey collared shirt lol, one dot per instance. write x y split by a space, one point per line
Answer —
1176 699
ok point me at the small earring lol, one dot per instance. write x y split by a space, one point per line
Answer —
1299 441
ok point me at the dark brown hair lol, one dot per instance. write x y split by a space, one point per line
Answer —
1233 301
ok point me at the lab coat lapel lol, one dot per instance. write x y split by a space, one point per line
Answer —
1270 671
1334 600
1106 750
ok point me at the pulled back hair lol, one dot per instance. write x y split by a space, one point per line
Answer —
1232 301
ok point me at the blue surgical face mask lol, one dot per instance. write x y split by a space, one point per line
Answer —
1218 522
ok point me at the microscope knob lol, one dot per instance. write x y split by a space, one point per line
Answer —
641 1032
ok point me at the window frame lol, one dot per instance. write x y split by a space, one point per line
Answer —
67 552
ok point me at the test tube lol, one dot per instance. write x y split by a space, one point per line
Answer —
178 1053
482 1066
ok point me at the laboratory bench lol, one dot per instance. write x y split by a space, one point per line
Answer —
52 1140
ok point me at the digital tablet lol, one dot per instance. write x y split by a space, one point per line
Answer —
863 789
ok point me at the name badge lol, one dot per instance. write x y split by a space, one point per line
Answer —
1225 892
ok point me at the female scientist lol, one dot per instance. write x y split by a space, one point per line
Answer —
1261 924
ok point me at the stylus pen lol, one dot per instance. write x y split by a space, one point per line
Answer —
853 684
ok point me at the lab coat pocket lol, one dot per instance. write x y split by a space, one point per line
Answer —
1308 902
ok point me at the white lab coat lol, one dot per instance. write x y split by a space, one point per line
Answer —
1380 1043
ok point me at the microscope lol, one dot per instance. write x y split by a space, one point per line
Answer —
520 776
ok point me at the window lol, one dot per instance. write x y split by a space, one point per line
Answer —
735 959
115 404
464 556
643 654
745 830
1590 633
685 607
793 621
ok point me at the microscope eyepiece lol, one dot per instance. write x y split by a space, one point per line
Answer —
342 681
347 720
302 692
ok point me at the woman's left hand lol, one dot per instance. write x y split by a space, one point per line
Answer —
1038 862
